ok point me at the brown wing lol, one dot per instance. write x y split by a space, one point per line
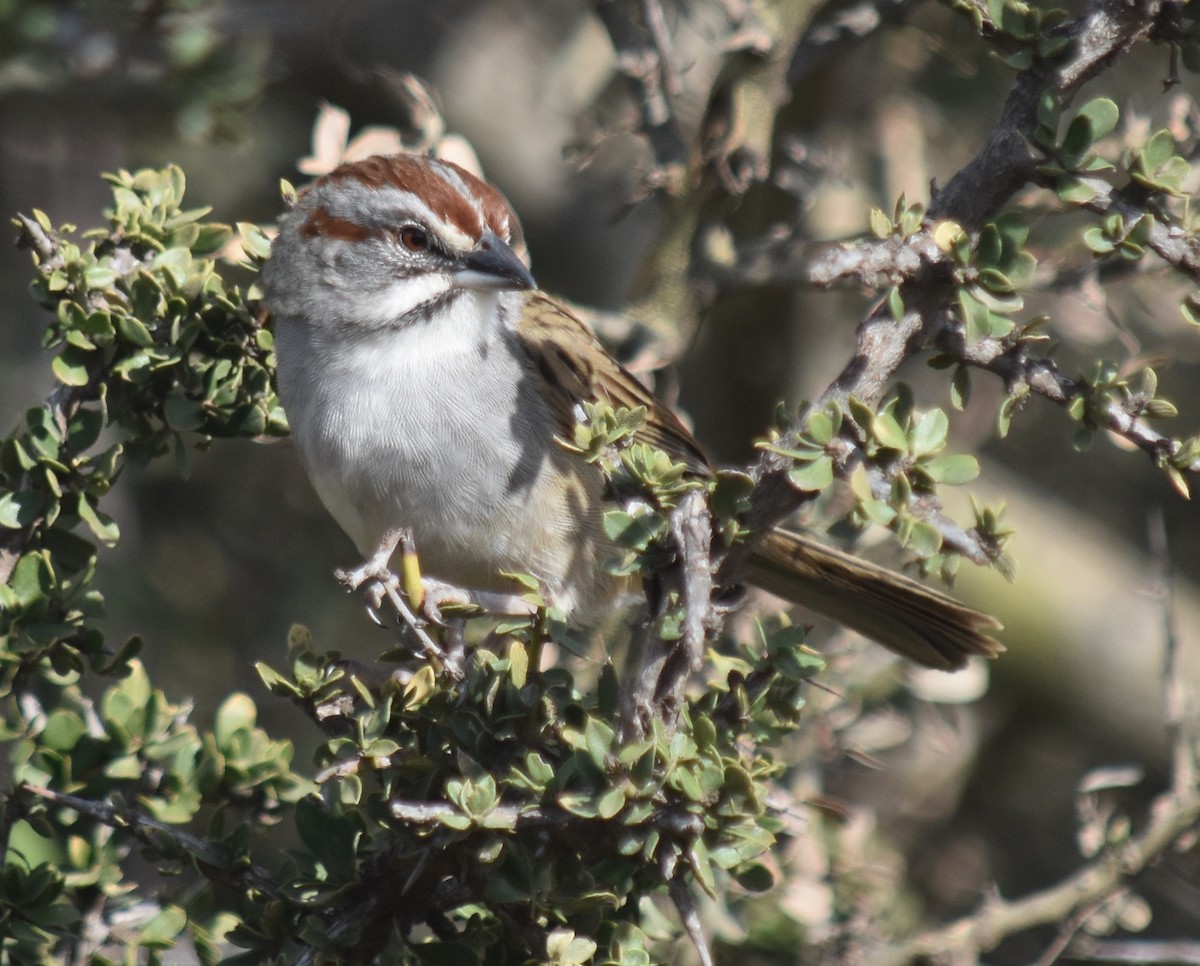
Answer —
575 368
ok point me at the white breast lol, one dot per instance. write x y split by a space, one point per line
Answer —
440 428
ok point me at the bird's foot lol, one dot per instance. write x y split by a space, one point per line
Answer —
375 578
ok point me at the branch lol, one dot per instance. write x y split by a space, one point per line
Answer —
690 919
843 26
510 816
1137 952
1043 378
643 48
212 861
1179 722
1004 164
1172 817
1169 240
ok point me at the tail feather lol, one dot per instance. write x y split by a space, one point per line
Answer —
907 617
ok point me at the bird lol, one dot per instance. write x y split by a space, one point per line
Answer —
429 384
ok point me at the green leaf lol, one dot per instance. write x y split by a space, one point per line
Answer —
164 928
960 388
101 524
564 948
1157 151
1097 241
518 664
629 530
820 427
63 730
99 277
84 429
20 509
599 738
610 803
275 682
236 713
888 432
701 866
929 435
1102 115
134 331
952 470
32 578
183 414
995 281
881 224
71 366
812 477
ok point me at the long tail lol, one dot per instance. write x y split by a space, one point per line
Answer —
909 618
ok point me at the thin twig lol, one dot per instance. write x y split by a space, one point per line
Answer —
1171 817
1175 690
1043 378
647 656
155 834
508 816
691 526
690 919
1137 952
643 46
1069 930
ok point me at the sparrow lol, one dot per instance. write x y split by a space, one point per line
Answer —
429 385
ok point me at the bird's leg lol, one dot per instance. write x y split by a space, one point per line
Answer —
419 600
439 594
382 584
374 571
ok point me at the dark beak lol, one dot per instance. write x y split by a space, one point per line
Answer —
492 265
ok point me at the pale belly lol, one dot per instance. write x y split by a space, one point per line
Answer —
461 450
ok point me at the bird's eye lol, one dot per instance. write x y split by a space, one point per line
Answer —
414 238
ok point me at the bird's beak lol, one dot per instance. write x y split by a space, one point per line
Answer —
493 265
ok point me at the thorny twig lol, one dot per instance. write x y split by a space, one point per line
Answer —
1069 930
659 668
509 816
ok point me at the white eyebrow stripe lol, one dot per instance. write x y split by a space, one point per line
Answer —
397 206
456 183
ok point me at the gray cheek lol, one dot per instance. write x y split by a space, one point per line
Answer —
365 266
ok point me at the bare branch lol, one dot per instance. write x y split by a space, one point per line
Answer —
691 920
639 35
1137 952
1172 817
509 816
1179 723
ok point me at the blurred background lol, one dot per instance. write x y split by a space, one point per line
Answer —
213 569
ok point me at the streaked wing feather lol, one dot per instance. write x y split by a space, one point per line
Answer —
575 368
